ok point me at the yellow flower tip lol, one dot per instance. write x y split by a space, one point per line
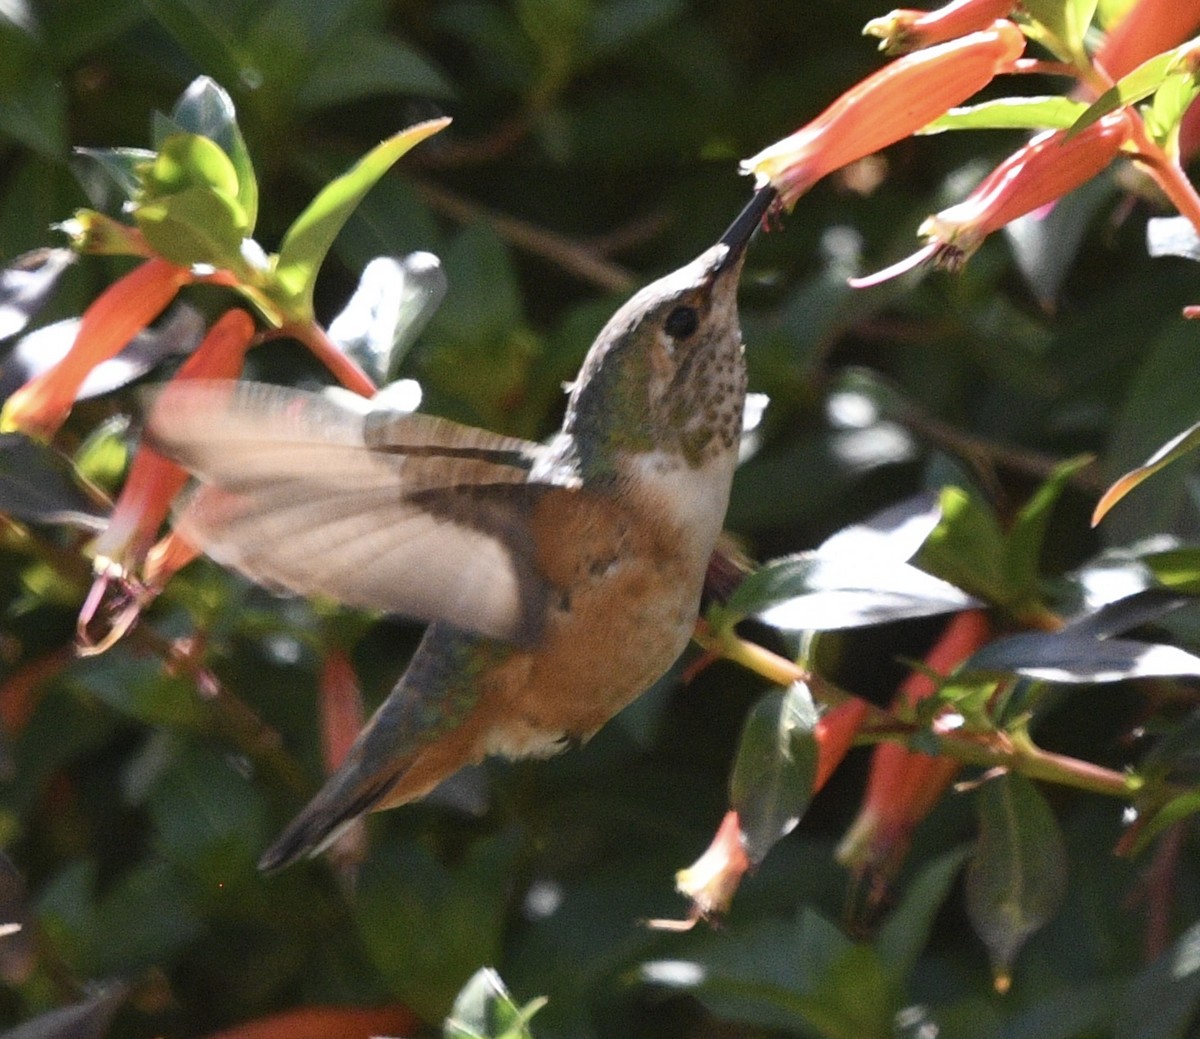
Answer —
713 879
1001 981
35 410
903 30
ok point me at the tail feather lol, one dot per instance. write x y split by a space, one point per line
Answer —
322 820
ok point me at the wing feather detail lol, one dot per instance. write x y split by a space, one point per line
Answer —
320 495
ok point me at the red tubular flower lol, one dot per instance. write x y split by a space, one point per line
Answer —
1148 28
341 719
903 786
152 484
712 880
119 313
888 105
835 734
1048 167
905 30
153 481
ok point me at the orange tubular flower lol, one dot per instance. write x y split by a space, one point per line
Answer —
712 880
888 105
151 486
1048 167
905 30
903 785
153 481
119 313
1148 28
835 734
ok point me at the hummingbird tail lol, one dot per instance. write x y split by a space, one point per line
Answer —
321 821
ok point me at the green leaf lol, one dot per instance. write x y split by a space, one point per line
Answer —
1175 448
1137 85
1176 568
1018 876
906 930
1011 113
310 237
186 160
1162 1001
38 485
122 165
193 226
365 64
1028 531
1171 100
485 1010
968 549
207 110
1060 26
772 778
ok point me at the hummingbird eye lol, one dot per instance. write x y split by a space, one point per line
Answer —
681 322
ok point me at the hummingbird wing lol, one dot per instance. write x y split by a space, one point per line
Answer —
322 494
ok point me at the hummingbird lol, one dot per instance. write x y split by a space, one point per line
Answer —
559 580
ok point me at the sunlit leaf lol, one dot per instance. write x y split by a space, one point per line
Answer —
1176 568
485 1010
1175 448
772 778
309 238
968 549
1070 657
27 283
1018 875
205 108
896 533
808 592
1011 113
394 301
1145 80
1172 236
1060 25
38 485
120 167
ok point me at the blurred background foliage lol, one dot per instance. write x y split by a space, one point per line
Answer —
594 146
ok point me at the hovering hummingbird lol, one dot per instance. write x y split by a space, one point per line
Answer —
561 580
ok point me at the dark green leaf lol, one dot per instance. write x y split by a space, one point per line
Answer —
27 283
1018 876
1163 1000
906 930
38 485
772 778
1127 613
309 238
364 64
1071 657
1028 531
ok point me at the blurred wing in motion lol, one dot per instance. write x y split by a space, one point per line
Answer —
320 494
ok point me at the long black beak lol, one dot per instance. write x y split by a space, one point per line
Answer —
739 233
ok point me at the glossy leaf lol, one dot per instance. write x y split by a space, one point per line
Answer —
176 336
38 485
1128 612
194 226
394 301
1011 113
895 534
120 167
967 548
808 592
310 237
26 284
1172 236
485 1010
1173 449
771 783
1060 25
206 109
1070 657
1018 875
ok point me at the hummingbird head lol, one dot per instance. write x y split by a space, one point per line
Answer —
666 373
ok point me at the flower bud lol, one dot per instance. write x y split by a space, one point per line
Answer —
905 30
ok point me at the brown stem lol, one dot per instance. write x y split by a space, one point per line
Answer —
578 260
